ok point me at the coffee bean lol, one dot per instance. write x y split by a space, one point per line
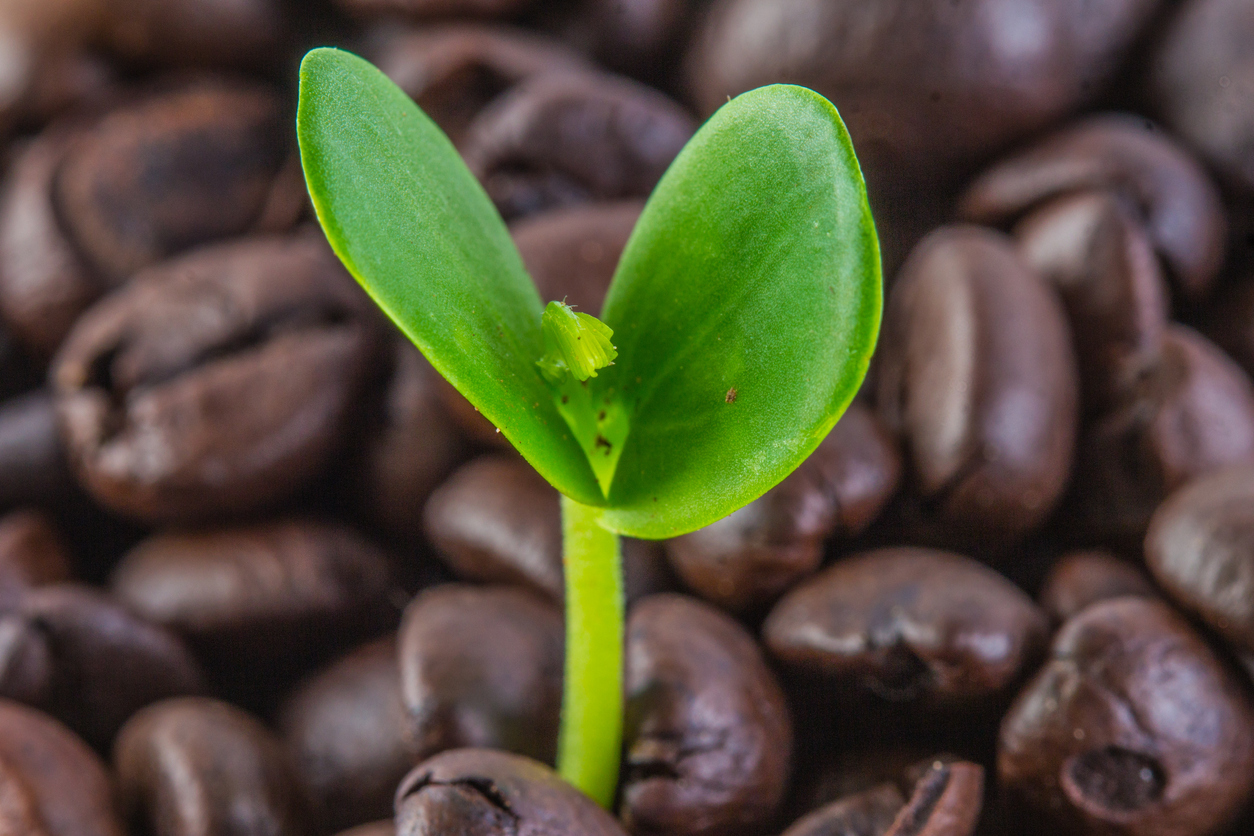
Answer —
33 466
1133 726
909 625
976 374
1169 191
345 727
496 520
926 86
51 784
481 792
1089 246
432 8
566 138
84 659
1083 578
412 444
1198 548
946 801
1192 413
31 552
453 70
752 556
1202 75
868 813
199 766
708 736
572 253
270 331
174 169
378 828
640 38
222 33
481 667
262 601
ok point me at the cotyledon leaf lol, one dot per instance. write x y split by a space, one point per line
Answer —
745 310
415 228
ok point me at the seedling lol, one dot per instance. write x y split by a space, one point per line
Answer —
738 327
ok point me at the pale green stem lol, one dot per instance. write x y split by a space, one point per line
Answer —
590 742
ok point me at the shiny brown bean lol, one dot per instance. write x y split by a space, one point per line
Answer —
1080 579
31 551
220 33
867 813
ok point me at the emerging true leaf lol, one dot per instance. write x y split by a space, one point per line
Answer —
575 342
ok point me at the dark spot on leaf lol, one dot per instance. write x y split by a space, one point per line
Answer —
602 441
601 415
565 399
731 395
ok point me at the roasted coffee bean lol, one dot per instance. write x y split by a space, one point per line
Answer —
497 520
750 557
1081 579
564 138
1089 246
176 168
199 766
433 8
84 659
946 801
31 552
572 253
345 726
51 784
1199 548
708 736
453 70
411 445
1166 188
923 84
911 625
1193 413
1202 76
1132 727
976 374
269 331
868 813
483 792
378 828
261 600
221 33
640 38
42 40
481 667
33 466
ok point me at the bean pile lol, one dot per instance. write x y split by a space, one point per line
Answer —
264 573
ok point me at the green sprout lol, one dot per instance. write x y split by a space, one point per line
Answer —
737 329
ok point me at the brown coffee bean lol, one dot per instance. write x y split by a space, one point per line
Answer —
221 33
752 556
481 667
564 138
1198 548
496 520
1202 76
708 736
1089 246
33 466
174 169
923 84
1132 727
44 284
1081 579
1167 189
84 659
453 70
946 801
640 38
913 625
31 552
1193 413
269 331
411 446
345 726
51 784
378 828
259 601
42 40
481 792
868 813
433 8
199 766
976 374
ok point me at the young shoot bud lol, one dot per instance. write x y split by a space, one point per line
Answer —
574 342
